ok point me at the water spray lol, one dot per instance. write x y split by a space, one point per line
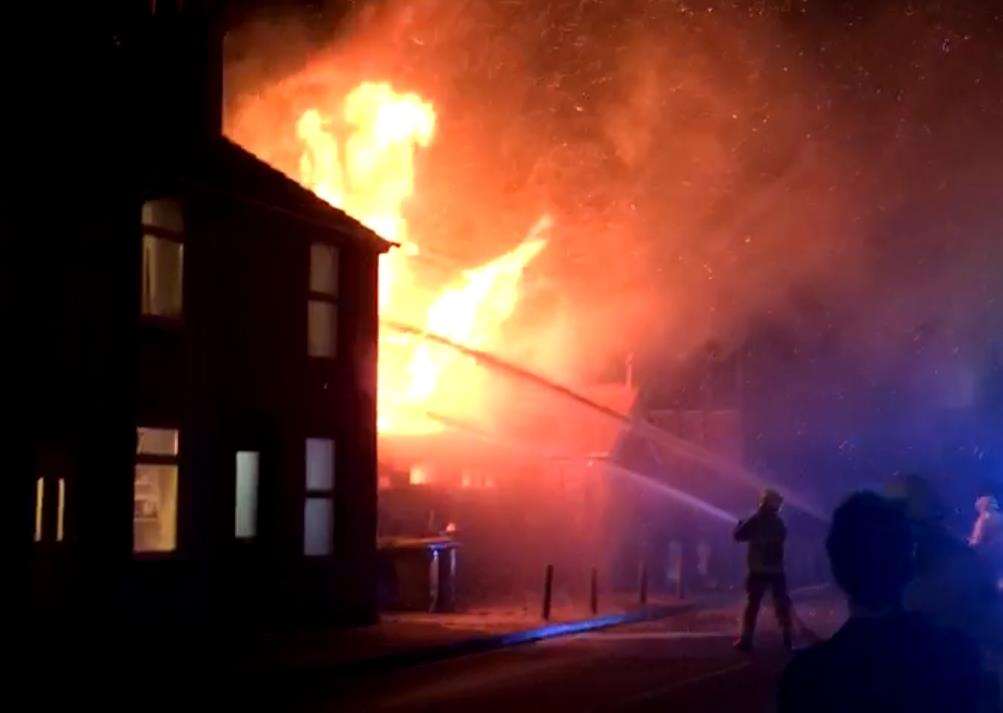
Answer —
672 493
653 484
676 445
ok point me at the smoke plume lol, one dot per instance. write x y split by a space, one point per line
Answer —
816 182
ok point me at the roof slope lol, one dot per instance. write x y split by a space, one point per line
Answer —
230 169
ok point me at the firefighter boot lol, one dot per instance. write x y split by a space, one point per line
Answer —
744 640
749 616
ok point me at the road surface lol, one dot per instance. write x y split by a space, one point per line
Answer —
684 663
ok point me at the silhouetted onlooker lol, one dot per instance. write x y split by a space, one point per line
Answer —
988 525
987 535
765 533
883 658
952 585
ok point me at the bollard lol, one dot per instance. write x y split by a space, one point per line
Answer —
548 587
643 584
594 592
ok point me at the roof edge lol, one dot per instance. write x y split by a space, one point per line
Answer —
290 199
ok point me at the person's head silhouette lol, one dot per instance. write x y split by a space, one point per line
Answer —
870 547
771 500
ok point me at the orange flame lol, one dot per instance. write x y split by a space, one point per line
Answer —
362 160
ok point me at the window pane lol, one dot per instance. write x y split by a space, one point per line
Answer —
324 269
245 523
319 464
163 262
39 507
155 508
165 214
322 329
157 441
61 511
318 526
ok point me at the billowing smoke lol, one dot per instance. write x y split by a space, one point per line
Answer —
813 186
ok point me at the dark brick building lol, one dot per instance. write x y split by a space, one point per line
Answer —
198 364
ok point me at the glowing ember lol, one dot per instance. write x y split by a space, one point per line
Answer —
361 159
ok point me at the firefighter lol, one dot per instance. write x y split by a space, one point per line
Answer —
765 533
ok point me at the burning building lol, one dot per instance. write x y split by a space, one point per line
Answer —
201 435
572 181
479 432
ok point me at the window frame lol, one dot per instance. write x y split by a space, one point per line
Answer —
174 236
335 336
336 272
163 460
327 494
60 510
49 513
38 534
256 515
332 299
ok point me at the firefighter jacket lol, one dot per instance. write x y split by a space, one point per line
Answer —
765 533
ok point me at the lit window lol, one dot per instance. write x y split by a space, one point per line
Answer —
155 491
155 508
40 518
162 269
324 269
157 441
39 507
163 259
319 464
318 527
322 307
318 507
61 509
322 329
245 523
163 214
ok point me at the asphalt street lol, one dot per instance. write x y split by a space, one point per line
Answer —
683 663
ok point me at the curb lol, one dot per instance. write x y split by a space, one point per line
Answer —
482 644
